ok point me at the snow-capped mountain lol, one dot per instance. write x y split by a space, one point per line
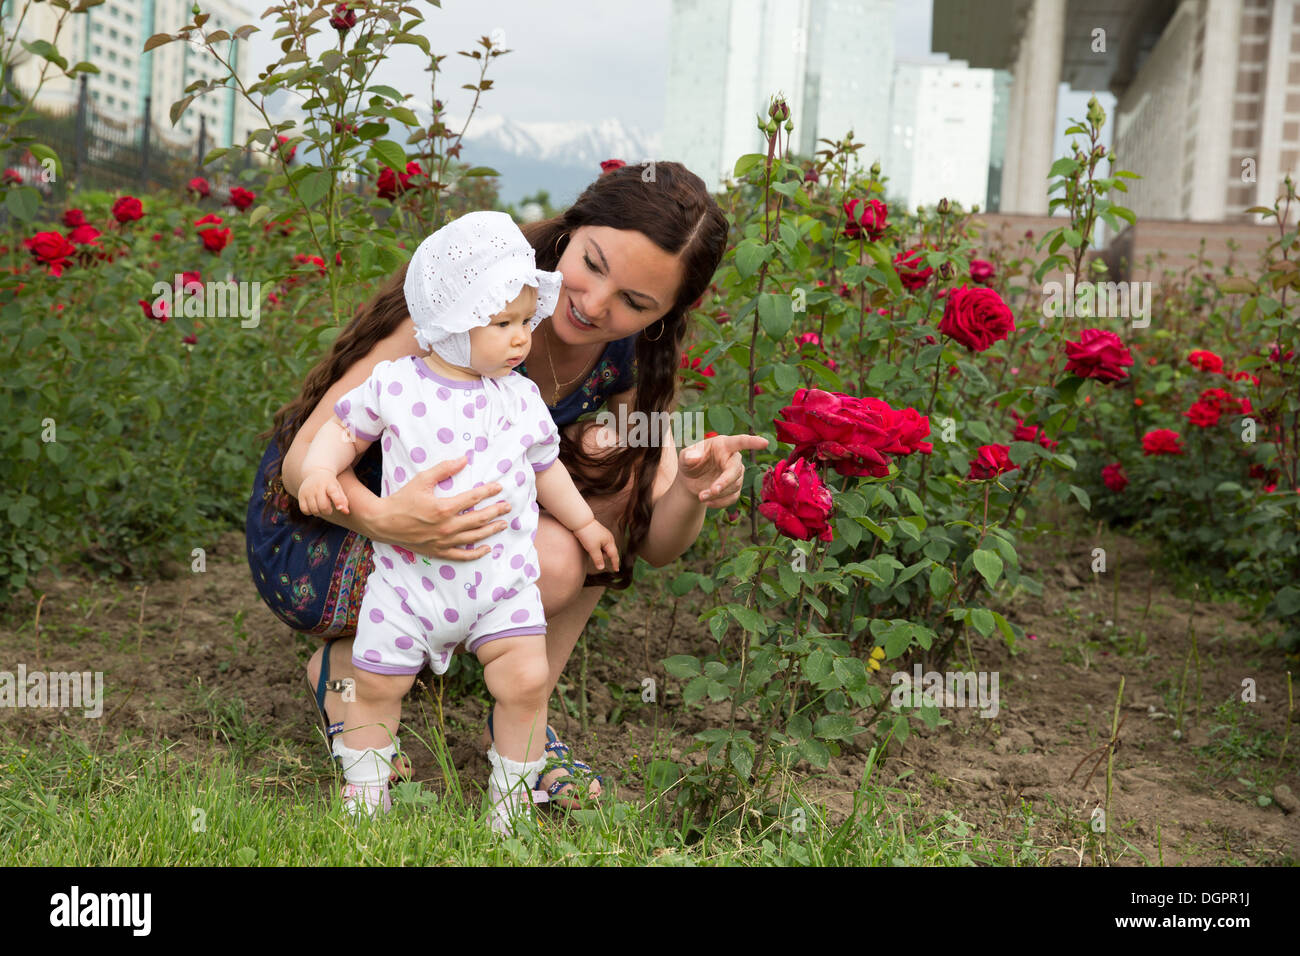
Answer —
560 157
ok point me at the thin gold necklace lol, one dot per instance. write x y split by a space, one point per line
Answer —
555 394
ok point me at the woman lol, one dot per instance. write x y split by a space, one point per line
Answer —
637 248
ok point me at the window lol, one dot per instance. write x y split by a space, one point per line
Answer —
112 33
97 27
99 50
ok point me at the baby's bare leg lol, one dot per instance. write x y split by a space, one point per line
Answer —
370 721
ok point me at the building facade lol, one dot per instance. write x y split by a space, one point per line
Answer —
112 36
832 60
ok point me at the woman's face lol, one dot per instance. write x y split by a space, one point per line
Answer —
615 279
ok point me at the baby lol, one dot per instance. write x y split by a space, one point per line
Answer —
475 295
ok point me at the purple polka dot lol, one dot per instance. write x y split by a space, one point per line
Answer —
506 427
496 551
503 465
510 593
480 402
372 656
344 407
395 430
386 563
516 525
468 410
519 616
428 584
469 458
406 608
418 409
533 536
498 593
480 444
451 616
517 561
530 571
443 393
527 440
544 427
418 455
399 473
402 593
376 615
388 442
447 572
386 488
372 414
445 436
426 624
394 388
404 642
445 484
479 484
520 478
533 505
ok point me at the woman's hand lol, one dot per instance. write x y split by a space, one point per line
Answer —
712 469
422 519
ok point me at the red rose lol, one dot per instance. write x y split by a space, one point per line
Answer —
190 279
343 19
1114 478
1203 414
211 219
991 461
84 235
214 240
976 318
241 198
981 271
72 218
865 216
1098 354
51 250
854 434
1033 433
304 260
1206 361
191 339
609 165
913 429
12 176
1161 441
128 209
389 184
158 312
200 186
1275 354
809 338
1217 397
1245 377
912 270
694 364
280 141
796 501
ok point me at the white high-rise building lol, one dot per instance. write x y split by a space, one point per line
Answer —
941 124
112 36
831 60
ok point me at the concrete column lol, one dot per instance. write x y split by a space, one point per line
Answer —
1042 47
1015 135
1218 84
1269 162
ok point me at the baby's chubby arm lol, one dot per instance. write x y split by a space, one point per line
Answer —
558 495
332 450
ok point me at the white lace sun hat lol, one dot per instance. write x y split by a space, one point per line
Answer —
467 272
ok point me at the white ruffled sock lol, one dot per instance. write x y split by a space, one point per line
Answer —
510 788
366 772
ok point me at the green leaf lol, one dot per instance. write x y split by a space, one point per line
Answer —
817 667
941 581
988 564
22 202
746 163
313 187
721 419
983 621
1082 497
1288 601
390 154
480 171
1063 167
775 315
682 666
834 727
750 255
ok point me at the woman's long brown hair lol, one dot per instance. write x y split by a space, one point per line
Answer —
668 204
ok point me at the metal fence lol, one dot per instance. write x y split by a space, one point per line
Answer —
99 150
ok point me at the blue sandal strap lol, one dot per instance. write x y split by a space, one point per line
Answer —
321 681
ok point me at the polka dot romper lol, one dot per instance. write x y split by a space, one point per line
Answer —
415 609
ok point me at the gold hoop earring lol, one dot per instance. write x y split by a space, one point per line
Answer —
661 332
557 242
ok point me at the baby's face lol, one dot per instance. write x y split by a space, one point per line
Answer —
495 349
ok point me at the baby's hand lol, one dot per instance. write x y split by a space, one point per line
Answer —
320 492
598 542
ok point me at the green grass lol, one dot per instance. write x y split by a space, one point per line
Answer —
256 801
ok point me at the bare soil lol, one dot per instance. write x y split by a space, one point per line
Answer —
170 648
